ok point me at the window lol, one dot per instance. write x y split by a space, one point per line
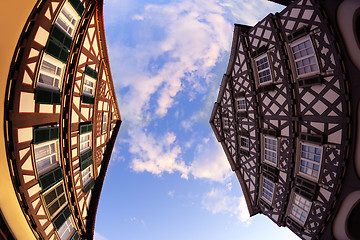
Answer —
226 123
244 143
67 19
270 149
85 141
46 156
67 229
300 208
268 189
310 160
89 85
86 175
104 122
263 69
304 57
241 104
55 199
50 73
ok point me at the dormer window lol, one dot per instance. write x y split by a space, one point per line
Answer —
67 19
304 57
300 209
55 199
50 73
268 189
244 143
263 69
86 175
241 104
226 123
270 149
310 160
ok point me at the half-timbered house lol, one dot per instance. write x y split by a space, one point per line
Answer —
61 119
287 117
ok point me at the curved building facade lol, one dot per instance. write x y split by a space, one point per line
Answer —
287 118
61 119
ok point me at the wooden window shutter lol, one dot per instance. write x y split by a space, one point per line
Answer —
86 159
91 72
89 186
306 184
293 224
56 50
46 96
78 6
61 217
45 134
270 172
85 128
309 196
61 37
312 138
87 99
49 179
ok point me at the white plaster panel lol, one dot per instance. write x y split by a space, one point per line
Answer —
27 102
27 79
34 190
41 36
46 108
335 137
85 112
35 203
74 117
25 134
49 229
28 178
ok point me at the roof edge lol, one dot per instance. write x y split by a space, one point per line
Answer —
96 192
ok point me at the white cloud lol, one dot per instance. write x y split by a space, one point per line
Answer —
156 154
184 41
135 220
163 154
249 12
98 236
220 200
210 161
171 193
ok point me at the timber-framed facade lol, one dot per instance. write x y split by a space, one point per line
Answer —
61 118
287 118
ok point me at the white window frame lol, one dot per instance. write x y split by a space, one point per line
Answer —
266 68
59 66
86 88
67 229
305 158
53 188
303 58
85 144
299 209
104 124
51 162
70 24
265 189
241 104
247 141
226 123
87 175
269 151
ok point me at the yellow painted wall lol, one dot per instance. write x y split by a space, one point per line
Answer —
13 16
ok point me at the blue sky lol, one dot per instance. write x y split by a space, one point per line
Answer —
168 177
